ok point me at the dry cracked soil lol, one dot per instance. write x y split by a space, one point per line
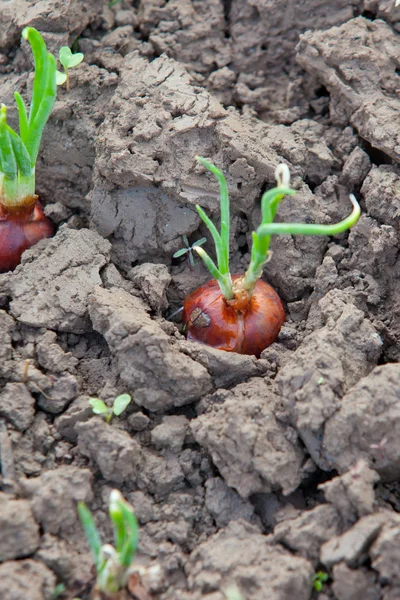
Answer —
245 472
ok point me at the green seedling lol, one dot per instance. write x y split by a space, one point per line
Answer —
318 580
189 250
68 61
113 2
119 405
59 590
113 563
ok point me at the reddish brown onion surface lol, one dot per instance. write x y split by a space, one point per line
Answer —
245 326
20 228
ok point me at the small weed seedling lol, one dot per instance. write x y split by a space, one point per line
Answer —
189 250
68 61
319 579
59 591
113 563
119 405
242 313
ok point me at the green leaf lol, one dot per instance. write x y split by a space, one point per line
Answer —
199 242
91 531
22 116
120 404
318 585
59 589
210 264
44 90
132 534
98 406
21 153
48 96
117 519
311 229
180 252
8 164
221 246
69 60
219 249
40 58
60 78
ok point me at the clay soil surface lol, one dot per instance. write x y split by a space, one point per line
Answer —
242 472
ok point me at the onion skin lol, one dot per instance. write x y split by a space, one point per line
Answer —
246 327
20 228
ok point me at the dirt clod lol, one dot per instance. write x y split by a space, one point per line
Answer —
20 531
253 452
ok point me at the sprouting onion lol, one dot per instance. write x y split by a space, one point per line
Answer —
22 222
242 313
18 153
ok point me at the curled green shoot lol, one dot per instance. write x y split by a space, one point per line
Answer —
262 237
18 153
113 563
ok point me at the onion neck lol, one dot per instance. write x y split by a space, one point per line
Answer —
17 191
18 212
241 296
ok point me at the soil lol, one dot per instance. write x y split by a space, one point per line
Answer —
245 472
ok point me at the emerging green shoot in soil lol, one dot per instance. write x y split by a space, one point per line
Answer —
113 563
68 61
119 405
319 579
189 250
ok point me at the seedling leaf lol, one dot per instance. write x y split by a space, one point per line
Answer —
180 252
61 78
120 404
69 60
98 406
199 242
319 579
